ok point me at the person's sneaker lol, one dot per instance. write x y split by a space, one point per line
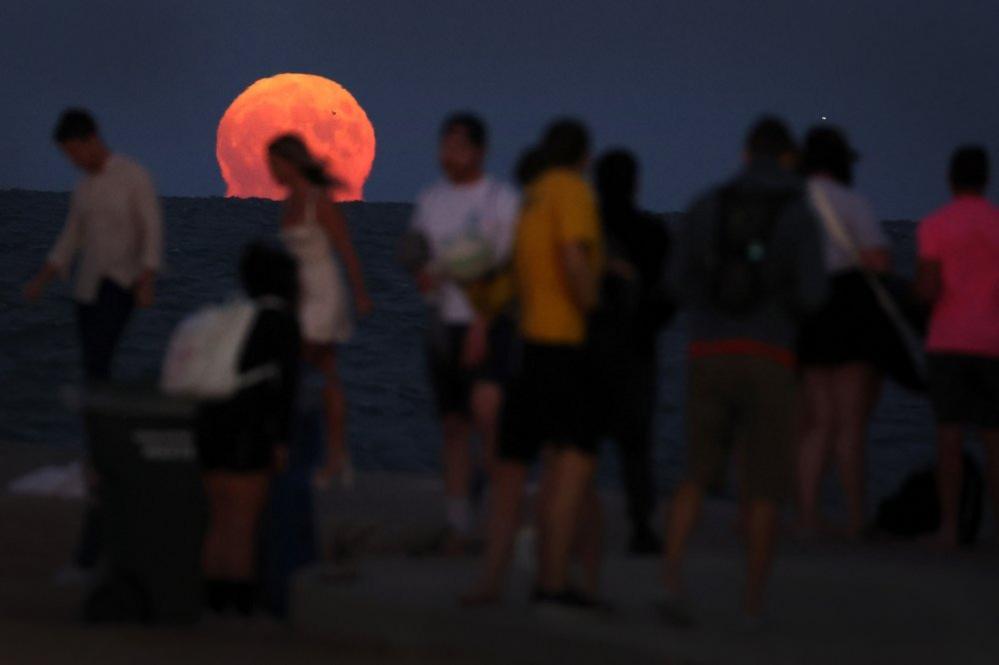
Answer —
645 543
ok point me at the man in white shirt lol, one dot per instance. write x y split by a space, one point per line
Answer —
468 356
114 227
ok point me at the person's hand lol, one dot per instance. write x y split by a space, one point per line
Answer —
476 345
364 306
34 289
337 465
280 457
145 290
622 269
426 281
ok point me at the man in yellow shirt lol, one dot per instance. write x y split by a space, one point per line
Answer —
557 264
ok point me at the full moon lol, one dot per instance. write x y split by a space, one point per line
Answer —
321 111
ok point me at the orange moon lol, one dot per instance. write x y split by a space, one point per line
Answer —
321 111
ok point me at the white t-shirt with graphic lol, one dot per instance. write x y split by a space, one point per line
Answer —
446 211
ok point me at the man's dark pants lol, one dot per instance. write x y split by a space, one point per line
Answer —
100 325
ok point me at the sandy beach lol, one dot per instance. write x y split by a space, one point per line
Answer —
831 603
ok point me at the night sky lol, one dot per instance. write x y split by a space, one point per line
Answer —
676 81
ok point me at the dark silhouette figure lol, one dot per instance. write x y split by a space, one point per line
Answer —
623 335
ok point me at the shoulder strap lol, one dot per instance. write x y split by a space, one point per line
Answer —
837 230
830 220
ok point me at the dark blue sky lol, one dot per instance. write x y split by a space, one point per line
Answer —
676 81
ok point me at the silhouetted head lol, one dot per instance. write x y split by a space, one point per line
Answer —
828 152
566 144
770 139
530 165
617 179
266 270
969 170
464 140
291 163
77 135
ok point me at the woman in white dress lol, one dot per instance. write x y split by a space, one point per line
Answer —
315 232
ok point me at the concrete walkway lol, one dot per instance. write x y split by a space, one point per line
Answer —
830 603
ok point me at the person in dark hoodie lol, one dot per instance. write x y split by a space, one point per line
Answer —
624 331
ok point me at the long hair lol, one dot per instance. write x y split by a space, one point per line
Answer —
291 148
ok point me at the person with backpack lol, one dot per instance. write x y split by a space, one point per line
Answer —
958 273
624 333
748 264
243 436
840 381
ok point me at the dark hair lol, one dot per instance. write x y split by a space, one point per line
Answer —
266 270
530 165
769 137
74 123
617 178
292 148
969 169
566 142
473 126
828 151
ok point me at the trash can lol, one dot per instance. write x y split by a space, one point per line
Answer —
143 447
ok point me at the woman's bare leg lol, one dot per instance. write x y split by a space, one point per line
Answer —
590 543
856 389
323 358
212 559
816 438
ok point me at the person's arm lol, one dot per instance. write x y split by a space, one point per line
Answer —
875 254
150 219
332 220
60 257
929 265
578 238
583 281
929 280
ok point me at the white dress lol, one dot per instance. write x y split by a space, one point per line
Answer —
324 311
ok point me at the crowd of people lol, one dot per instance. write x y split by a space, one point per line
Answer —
545 300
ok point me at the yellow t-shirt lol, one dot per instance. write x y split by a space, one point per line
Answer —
559 209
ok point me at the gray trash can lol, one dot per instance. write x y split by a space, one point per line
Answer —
143 446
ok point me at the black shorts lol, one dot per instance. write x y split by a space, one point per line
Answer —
839 333
238 435
965 389
547 403
451 381
502 354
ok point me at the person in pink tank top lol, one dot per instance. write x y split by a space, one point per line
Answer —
959 275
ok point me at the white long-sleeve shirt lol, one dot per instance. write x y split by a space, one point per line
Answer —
115 225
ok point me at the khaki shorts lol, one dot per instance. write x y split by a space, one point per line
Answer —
742 401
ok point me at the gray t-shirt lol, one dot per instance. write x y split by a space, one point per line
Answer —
796 262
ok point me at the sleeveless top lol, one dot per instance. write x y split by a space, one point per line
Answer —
324 311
